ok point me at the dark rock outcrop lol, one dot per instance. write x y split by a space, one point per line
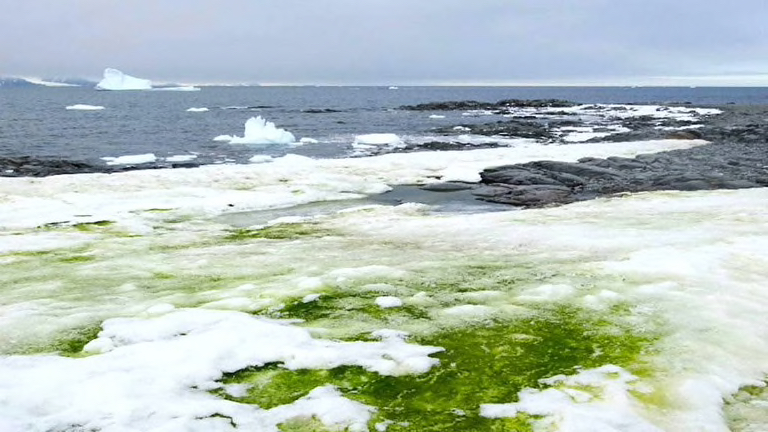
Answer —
736 157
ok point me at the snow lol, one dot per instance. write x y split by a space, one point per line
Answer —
690 264
259 131
130 159
117 80
84 107
157 366
388 302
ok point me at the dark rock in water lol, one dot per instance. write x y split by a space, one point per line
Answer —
320 110
526 196
500 105
26 166
509 128
686 134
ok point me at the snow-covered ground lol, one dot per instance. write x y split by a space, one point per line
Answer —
129 303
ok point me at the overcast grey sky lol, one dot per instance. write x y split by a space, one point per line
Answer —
390 41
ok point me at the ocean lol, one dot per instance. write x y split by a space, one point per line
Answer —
275 287
34 121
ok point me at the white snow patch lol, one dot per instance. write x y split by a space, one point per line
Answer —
388 302
163 366
567 407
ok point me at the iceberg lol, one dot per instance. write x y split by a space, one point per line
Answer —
117 80
260 131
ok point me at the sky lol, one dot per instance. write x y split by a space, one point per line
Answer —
391 42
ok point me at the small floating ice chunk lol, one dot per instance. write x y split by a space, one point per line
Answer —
200 109
437 116
84 107
181 158
130 159
306 140
388 301
377 139
117 80
260 131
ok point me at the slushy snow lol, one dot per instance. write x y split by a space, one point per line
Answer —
259 131
117 80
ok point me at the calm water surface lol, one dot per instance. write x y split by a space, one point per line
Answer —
34 121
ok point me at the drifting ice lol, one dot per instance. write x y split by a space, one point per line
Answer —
260 131
116 80
83 107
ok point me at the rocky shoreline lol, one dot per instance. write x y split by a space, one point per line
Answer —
735 157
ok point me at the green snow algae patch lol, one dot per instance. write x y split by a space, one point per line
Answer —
480 364
286 231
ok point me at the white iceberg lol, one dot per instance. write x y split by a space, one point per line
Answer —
260 131
117 80
84 107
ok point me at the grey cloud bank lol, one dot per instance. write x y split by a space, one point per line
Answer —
686 42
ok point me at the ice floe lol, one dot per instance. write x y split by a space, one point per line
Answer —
195 109
259 131
84 107
130 159
179 158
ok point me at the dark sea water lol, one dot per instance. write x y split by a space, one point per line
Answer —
34 121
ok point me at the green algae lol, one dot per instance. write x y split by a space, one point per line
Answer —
343 306
481 364
285 231
747 409
68 343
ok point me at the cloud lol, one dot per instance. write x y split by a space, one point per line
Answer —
377 41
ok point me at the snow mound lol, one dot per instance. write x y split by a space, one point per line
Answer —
84 107
260 131
117 80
